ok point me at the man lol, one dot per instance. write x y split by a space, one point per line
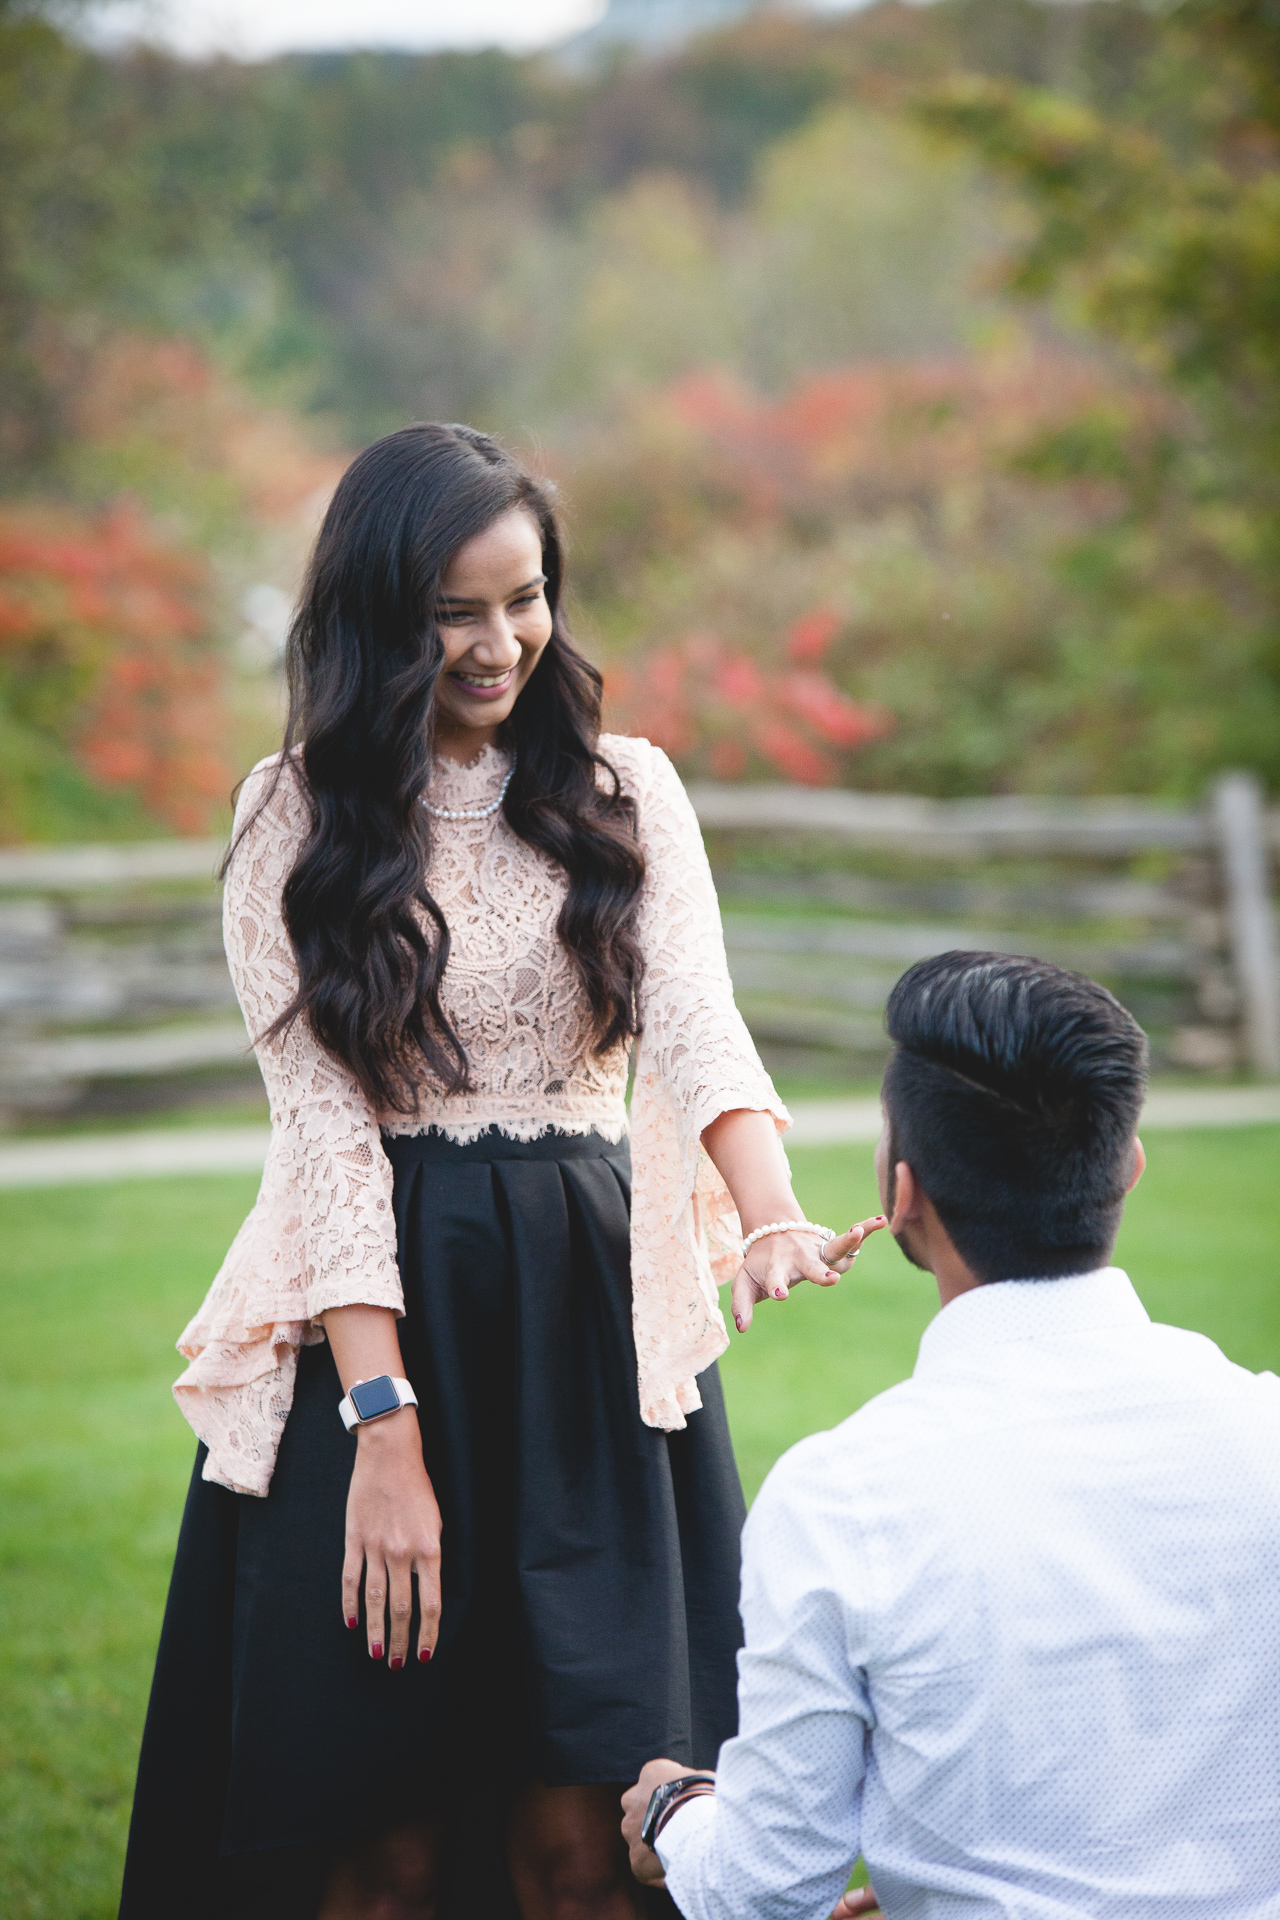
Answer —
1013 1629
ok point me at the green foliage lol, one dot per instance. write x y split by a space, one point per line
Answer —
1156 223
1055 557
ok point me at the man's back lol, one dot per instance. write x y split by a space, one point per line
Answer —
1041 1581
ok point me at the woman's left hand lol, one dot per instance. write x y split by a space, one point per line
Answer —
778 1262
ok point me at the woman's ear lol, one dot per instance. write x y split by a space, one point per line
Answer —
1139 1164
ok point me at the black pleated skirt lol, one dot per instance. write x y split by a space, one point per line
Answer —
589 1566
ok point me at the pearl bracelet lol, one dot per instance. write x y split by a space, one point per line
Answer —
786 1226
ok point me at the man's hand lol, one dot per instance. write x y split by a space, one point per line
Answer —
645 1863
855 1904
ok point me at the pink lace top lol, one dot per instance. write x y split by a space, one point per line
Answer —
321 1233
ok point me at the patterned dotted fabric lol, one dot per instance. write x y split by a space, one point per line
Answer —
322 1234
1013 1633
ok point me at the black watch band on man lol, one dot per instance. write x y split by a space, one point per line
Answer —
662 1801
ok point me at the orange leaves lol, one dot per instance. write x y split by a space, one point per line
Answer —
103 646
103 571
159 415
701 693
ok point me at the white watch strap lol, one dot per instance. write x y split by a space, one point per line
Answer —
350 1418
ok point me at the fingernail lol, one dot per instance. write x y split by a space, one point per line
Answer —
781 1294
375 1651
424 1654
353 1619
737 1321
832 1274
396 1661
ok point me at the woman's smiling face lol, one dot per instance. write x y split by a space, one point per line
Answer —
494 622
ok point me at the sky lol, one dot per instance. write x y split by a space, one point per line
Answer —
255 29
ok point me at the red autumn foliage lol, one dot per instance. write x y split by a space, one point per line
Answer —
702 691
810 637
881 544
103 646
860 433
832 714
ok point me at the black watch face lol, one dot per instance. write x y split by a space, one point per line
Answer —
374 1397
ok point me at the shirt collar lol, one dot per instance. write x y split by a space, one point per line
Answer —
1034 1310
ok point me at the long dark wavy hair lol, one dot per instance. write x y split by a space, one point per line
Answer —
364 656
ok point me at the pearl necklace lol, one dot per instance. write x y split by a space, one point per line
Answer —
469 813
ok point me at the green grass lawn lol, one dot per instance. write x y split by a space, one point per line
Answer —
98 1280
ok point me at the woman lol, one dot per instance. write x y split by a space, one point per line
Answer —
406 1669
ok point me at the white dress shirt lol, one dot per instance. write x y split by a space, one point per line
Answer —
1013 1633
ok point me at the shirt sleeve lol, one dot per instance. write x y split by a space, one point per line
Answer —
695 1040
324 1121
695 1060
322 1232
781 1836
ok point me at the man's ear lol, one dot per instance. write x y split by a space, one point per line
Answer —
906 1197
1139 1164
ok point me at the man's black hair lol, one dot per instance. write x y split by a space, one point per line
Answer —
1013 1094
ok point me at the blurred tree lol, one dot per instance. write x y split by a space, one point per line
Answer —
734 293
105 672
106 187
872 526
1157 226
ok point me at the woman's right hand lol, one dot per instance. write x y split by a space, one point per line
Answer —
393 1532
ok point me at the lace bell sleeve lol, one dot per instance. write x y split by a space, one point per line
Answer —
695 1060
321 1233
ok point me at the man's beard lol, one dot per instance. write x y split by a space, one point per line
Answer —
905 1246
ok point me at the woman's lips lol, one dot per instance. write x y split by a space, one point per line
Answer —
484 686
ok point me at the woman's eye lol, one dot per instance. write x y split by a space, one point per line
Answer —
527 600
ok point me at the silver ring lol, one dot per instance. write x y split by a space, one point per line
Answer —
822 1251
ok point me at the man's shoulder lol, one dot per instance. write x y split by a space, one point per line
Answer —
827 1470
1206 1370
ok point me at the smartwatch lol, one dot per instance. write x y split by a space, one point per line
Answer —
371 1399
663 1798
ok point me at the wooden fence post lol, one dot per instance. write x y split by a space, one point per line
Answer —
1240 821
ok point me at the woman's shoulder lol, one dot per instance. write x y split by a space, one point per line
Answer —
273 798
640 765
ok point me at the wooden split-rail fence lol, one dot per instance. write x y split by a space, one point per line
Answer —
114 993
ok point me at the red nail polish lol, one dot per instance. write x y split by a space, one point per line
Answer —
353 1619
424 1654
375 1651
396 1662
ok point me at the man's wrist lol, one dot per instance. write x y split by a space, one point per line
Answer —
699 1790
668 1795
